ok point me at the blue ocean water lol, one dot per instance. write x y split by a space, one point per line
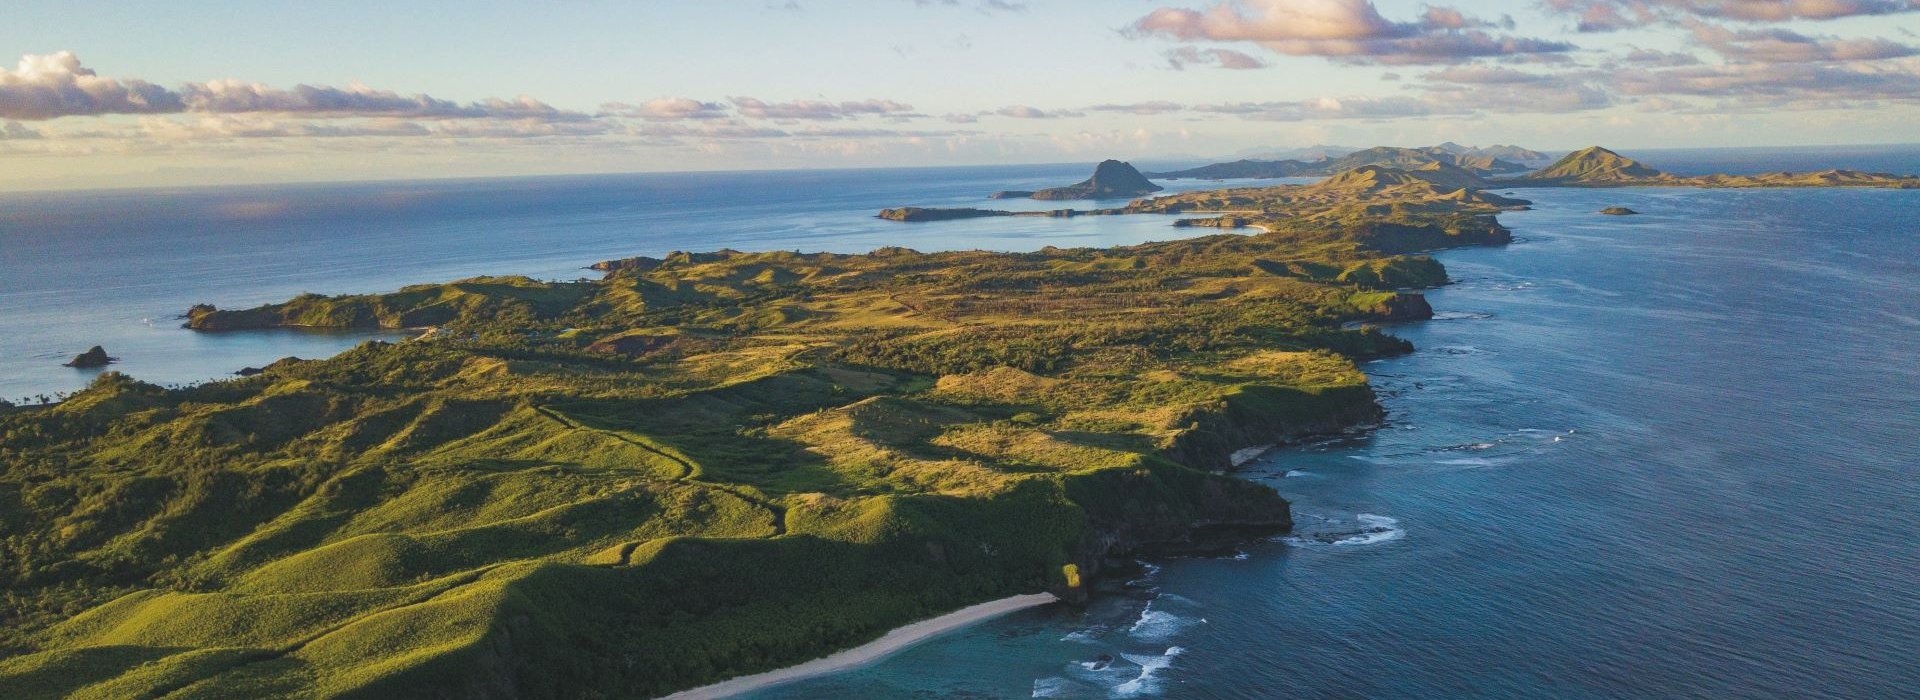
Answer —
1671 455
116 268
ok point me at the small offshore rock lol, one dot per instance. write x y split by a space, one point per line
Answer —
95 356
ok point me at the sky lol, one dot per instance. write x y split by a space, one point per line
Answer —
198 92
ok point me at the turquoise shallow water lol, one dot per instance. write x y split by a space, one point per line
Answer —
1673 455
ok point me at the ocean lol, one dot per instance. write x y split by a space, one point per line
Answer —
1668 455
118 268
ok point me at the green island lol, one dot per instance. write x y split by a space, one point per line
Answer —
1484 162
707 464
1598 167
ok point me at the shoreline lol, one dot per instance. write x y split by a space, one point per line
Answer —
894 641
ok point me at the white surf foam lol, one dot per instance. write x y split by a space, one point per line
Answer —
1150 666
1379 528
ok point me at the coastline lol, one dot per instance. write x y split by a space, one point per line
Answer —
892 642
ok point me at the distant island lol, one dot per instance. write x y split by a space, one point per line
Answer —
1598 167
1478 161
1111 179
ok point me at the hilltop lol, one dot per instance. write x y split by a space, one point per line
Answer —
1412 158
1509 153
1591 166
1112 179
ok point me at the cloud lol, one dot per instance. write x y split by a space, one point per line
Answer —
1779 84
1025 112
1651 58
56 85
1787 46
667 109
1180 58
1327 108
237 97
1350 31
1488 75
1611 15
16 131
730 129
1141 108
1506 90
815 110
984 6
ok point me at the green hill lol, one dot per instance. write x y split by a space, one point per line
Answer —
1593 165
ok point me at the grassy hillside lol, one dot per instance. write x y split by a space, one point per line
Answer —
697 467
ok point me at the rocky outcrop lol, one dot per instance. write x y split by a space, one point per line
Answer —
95 356
1111 179
1618 211
1403 306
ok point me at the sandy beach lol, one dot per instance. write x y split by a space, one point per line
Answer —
896 640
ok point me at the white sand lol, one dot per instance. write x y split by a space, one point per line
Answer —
899 638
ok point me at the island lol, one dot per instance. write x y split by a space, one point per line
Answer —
1483 162
702 465
1599 167
1112 179
94 357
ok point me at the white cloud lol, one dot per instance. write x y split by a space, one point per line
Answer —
56 85
816 110
1351 31
667 109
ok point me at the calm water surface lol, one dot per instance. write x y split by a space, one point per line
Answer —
117 268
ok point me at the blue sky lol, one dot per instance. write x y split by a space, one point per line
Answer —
213 92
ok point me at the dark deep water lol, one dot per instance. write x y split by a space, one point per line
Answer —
1672 455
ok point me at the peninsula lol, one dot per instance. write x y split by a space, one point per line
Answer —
699 466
